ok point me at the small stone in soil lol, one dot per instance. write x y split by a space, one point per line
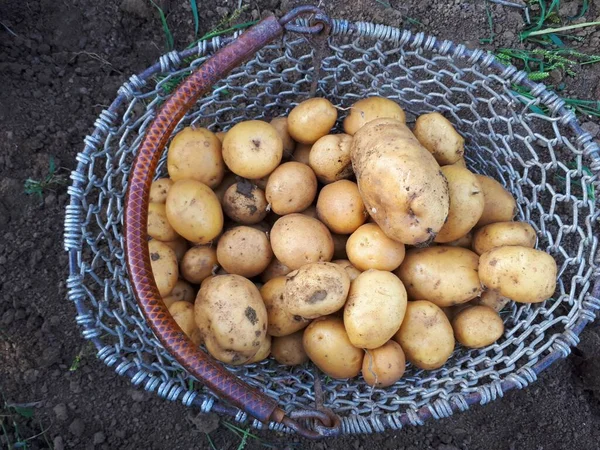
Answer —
205 423
99 438
77 427
59 443
61 411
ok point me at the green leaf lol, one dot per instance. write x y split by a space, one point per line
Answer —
168 35
24 412
195 14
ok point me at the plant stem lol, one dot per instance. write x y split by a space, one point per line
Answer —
569 27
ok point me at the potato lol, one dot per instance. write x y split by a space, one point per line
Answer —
164 266
302 153
275 269
401 184
183 292
183 314
477 326
492 299
339 245
244 251
385 365
245 203
252 149
194 211
425 335
311 211
329 157
220 135
280 321
232 318
371 108
316 289
159 190
288 350
499 204
179 246
463 241
460 162
501 234
352 271
437 135
198 263
158 225
466 203
281 125
327 345
195 154
340 207
298 240
375 308
291 188
311 119
369 248
263 351
452 311
228 180
443 275
522 274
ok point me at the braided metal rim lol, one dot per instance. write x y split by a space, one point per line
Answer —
170 391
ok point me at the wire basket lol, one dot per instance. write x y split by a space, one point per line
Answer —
515 131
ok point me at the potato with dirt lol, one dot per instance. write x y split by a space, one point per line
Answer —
198 263
369 248
164 266
288 350
499 204
340 207
280 321
159 190
244 251
291 188
501 234
329 158
352 271
477 326
385 365
245 203
311 120
437 135
371 108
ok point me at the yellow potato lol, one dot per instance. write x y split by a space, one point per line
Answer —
302 153
280 321
244 251
228 180
288 350
252 149
245 203
477 326
520 273
195 154
425 335
164 266
220 135
327 345
499 206
194 211
437 135
183 292
463 241
340 207
375 308
311 119
501 234
311 211
198 263
461 162
281 125
275 269
263 351
159 190
329 157
158 225
492 299
369 248
443 275
183 314
385 365
291 188
352 271
179 246
371 108
466 203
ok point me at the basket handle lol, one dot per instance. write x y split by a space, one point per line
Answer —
196 361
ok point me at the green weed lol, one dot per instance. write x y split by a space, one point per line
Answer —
490 20
11 415
52 181
169 42
195 14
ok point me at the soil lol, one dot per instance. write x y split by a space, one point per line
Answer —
61 62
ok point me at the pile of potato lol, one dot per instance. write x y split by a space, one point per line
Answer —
357 250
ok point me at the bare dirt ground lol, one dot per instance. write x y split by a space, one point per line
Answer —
61 62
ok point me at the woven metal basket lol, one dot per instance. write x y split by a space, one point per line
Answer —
530 143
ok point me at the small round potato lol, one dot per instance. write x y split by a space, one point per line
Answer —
195 154
228 180
329 157
275 269
437 135
369 248
371 108
252 149
194 211
492 299
263 351
183 314
316 289
385 365
179 246
302 153
501 234
477 326
158 224
245 203
341 208
281 125
327 345
164 266
443 275
281 322
311 119
291 188
522 274
298 240
426 335
288 350
159 190
352 271
339 245
375 308
244 251
499 204
198 263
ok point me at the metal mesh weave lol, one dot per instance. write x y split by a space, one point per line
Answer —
534 147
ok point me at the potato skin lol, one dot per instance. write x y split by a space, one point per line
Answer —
327 345
329 158
385 365
352 271
426 335
244 251
437 135
183 314
442 274
198 263
280 321
158 224
477 326
302 153
228 180
463 241
289 145
371 108
501 234
340 207
275 269
245 203
183 292
179 246
311 119
375 308
499 204
159 190
291 188
164 266
369 248
401 184
288 350
522 274
263 351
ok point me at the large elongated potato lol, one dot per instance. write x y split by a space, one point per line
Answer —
371 108
501 234
375 308
437 135
164 266
443 275
499 204
311 119
281 322
426 335
466 203
522 274
400 182
477 326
